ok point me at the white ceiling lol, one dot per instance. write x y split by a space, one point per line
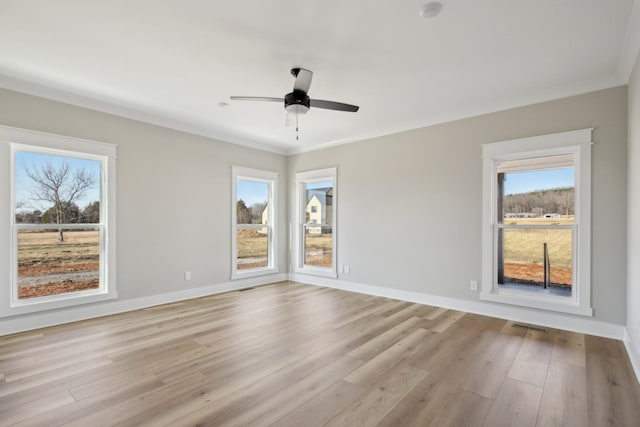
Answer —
171 62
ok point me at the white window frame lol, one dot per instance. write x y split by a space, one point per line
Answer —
271 179
577 143
302 179
46 143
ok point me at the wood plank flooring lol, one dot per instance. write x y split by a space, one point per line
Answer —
298 355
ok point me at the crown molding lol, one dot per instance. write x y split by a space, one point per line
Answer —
48 91
631 45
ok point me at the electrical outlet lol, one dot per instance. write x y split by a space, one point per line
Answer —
474 285
187 275
347 269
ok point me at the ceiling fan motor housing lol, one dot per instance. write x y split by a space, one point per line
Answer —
297 101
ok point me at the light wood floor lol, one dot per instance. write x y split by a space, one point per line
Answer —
297 355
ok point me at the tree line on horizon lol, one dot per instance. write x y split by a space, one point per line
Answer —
540 202
61 213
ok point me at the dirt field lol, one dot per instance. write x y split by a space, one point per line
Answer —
253 249
318 250
34 291
535 273
41 258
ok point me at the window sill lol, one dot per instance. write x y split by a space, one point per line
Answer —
60 301
318 271
559 304
253 273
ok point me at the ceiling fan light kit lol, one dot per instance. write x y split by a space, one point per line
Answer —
298 102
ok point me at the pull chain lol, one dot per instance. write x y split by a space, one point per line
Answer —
296 126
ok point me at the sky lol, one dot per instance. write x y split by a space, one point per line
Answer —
524 182
24 185
252 192
324 184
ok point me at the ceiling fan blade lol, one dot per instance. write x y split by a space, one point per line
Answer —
303 80
331 105
256 98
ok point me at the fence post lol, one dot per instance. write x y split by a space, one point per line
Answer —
547 267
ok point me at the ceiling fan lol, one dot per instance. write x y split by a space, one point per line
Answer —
298 102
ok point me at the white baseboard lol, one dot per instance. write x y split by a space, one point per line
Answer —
633 350
43 319
57 317
514 313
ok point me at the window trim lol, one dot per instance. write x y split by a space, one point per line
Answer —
26 140
576 142
310 177
271 179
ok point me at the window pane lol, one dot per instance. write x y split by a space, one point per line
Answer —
318 246
319 208
253 247
541 192
252 199
53 189
524 261
48 265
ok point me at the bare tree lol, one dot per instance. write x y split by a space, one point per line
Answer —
256 212
62 186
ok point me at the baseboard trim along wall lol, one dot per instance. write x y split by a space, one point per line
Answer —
61 316
633 350
514 313
43 319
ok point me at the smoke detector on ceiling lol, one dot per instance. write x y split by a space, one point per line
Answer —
430 10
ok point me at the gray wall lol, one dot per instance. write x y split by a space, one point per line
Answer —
173 194
633 227
410 204
409 214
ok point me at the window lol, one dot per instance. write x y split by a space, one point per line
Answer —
253 217
316 229
62 229
536 240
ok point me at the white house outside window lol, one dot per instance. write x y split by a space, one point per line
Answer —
316 233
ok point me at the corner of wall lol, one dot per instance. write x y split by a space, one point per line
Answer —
633 350
632 330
